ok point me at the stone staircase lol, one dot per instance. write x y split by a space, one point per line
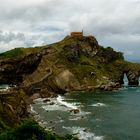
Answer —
42 72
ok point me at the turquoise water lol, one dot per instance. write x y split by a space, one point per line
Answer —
103 115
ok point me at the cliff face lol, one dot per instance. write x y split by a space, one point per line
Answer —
13 107
75 63
13 70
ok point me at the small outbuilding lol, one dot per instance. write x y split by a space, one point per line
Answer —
73 34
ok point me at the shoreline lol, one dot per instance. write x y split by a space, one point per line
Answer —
81 132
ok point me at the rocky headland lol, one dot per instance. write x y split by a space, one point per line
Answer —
76 63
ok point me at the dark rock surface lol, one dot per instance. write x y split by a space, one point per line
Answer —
133 78
13 70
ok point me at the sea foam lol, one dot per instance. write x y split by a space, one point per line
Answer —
59 104
99 105
60 100
83 133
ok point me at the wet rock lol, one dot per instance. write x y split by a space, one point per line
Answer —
110 86
46 100
133 78
75 111
52 103
35 96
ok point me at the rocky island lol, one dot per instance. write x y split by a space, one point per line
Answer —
77 63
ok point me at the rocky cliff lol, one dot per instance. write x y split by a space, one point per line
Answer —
13 107
75 63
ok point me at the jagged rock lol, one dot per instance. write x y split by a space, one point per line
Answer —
133 78
110 86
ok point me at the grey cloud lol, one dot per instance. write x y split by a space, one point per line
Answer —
129 44
114 22
7 37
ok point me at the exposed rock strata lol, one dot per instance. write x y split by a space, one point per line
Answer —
13 106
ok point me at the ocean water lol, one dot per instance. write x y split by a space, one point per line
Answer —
102 115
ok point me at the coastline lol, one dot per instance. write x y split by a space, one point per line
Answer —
59 103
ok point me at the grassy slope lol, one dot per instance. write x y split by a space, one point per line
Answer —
18 52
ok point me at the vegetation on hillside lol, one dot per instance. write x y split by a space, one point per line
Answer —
19 52
109 54
30 130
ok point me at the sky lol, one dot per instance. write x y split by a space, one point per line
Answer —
28 23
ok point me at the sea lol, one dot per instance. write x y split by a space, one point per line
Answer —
101 115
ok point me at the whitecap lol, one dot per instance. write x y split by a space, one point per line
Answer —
123 88
83 133
60 100
75 118
54 107
99 105
138 90
32 110
4 87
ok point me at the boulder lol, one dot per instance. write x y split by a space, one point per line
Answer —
133 78
75 111
46 100
67 81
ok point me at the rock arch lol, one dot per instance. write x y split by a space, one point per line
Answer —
132 76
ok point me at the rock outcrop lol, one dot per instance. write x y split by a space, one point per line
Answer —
67 81
13 70
13 106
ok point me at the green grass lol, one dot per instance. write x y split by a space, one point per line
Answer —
84 60
3 126
30 130
19 52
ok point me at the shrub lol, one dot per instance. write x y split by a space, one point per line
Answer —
30 130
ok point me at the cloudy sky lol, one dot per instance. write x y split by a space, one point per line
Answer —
27 23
